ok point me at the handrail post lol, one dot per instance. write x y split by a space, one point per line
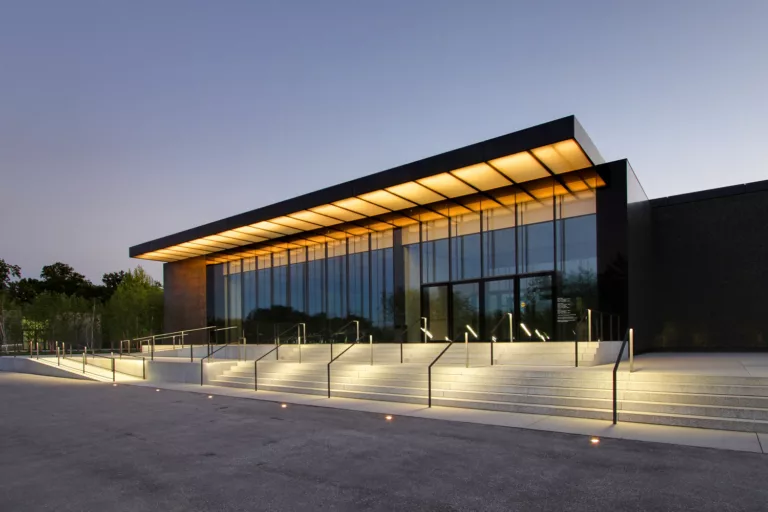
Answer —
466 346
511 328
401 352
191 352
144 368
425 328
370 342
492 342
113 369
83 360
153 348
37 349
631 350
589 326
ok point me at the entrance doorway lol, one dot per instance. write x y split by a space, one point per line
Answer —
514 309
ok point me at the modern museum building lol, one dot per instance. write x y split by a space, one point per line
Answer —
527 237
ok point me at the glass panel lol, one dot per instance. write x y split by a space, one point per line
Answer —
316 278
465 247
536 237
298 278
466 311
499 304
412 291
535 322
499 242
436 311
249 301
280 279
337 284
577 261
435 251
358 285
234 302
382 294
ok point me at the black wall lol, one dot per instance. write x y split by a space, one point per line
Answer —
710 270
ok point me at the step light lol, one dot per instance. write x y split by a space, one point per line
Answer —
471 331
522 326
429 334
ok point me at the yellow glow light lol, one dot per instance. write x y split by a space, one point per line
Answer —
283 406
447 185
520 167
595 440
481 176
388 417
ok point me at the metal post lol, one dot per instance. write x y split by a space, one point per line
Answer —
58 354
37 349
255 375
425 328
357 330
631 350
401 352
113 369
83 361
191 353
466 346
589 326
492 342
153 348
144 368
370 342
511 336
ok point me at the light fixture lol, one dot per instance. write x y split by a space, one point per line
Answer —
157 390
114 385
493 338
525 329
471 330
429 334
539 334
210 396
594 440
388 417
283 405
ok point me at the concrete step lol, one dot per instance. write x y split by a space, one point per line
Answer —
576 412
740 425
716 400
385 397
724 412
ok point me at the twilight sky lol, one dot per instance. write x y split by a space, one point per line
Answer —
121 122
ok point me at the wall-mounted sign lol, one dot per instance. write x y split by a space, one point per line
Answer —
565 312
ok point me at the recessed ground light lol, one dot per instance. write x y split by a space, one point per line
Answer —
388 417
114 385
210 396
157 390
283 406
594 440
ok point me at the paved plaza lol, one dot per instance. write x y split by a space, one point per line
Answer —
76 445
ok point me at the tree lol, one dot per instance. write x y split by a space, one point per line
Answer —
136 307
8 272
62 278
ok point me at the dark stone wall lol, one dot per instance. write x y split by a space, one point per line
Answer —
710 270
184 283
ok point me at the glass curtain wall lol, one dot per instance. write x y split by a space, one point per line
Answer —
531 258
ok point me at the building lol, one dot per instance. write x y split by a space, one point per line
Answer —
514 238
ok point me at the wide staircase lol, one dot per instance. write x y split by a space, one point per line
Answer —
519 381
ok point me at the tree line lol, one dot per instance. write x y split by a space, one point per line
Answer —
62 305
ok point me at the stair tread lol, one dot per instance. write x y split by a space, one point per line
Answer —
693 416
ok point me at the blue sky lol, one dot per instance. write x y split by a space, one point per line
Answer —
121 122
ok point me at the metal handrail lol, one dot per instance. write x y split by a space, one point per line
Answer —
429 374
329 367
211 354
92 354
256 367
615 369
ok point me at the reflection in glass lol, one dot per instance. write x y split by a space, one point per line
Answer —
436 311
412 291
499 242
435 251
535 320
466 310
499 304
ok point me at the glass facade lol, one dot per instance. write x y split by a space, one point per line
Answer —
499 269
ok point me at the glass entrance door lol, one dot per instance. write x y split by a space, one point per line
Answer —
435 308
499 310
535 318
465 309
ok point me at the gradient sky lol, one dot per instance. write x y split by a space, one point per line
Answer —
121 122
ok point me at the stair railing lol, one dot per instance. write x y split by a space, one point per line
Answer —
627 337
210 355
328 369
429 373
256 366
